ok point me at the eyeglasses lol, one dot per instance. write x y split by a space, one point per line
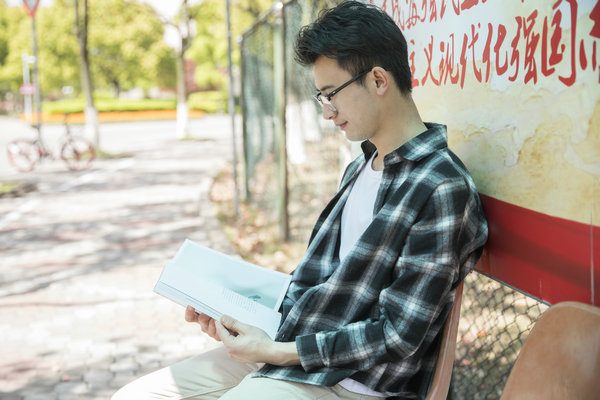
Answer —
325 99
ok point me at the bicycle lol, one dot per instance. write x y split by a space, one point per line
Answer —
76 151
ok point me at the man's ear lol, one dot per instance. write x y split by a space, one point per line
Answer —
381 79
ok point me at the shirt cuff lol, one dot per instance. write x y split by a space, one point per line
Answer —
308 351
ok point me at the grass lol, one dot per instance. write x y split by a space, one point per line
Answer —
8 187
108 156
15 189
210 101
117 116
207 101
72 106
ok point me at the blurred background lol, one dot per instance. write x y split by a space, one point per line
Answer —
136 53
203 127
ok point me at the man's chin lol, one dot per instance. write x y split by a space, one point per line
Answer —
353 137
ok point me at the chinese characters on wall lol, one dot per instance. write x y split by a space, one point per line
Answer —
525 48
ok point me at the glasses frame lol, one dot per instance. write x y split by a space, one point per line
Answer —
325 99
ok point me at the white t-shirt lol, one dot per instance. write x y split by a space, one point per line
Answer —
356 217
358 210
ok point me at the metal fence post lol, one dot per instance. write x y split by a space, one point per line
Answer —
280 126
231 108
244 108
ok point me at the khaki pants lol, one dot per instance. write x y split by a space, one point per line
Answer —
213 375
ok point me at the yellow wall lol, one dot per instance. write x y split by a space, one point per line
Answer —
533 141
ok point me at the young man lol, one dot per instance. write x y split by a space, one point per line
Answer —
364 312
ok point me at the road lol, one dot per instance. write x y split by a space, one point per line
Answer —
115 137
80 255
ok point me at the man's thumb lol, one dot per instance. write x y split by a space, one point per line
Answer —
232 324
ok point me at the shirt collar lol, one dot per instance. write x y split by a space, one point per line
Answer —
433 139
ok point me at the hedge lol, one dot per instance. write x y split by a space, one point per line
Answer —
210 102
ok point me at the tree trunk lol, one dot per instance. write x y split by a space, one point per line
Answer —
81 31
185 34
182 107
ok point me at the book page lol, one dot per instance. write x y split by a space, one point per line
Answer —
265 286
239 301
186 287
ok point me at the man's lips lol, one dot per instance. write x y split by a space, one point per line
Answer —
342 125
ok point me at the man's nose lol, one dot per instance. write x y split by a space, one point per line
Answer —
328 112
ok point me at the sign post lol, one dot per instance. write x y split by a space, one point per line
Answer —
28 88
31 7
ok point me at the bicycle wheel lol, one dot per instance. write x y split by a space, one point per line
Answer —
23 154
77 152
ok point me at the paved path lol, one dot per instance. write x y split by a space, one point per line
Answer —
79 258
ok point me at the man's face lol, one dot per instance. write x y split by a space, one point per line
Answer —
354 112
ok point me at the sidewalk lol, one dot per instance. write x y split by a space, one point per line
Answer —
79 258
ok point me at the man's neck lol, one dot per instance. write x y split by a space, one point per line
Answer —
400 124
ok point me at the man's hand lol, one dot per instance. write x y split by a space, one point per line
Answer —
207 324
246 343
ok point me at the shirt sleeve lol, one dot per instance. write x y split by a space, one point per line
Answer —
430 262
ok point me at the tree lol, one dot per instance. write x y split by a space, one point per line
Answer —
203 38
56 42
165 67
3 33
127 45
15 37
58 48
184 24
209 49
81 32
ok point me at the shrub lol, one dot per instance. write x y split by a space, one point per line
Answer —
209 101
105 104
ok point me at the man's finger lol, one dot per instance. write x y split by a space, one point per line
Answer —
212 330
190 314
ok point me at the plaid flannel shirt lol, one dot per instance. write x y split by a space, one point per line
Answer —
376 316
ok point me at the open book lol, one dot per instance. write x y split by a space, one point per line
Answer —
216 284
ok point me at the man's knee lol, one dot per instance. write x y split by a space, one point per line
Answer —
156 385
123 394
209 374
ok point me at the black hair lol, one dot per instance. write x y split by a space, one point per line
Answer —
359 36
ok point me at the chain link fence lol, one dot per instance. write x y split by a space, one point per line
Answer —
494 322
495 319
313 154
257 94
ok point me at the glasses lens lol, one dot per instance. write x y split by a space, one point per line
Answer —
324 102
